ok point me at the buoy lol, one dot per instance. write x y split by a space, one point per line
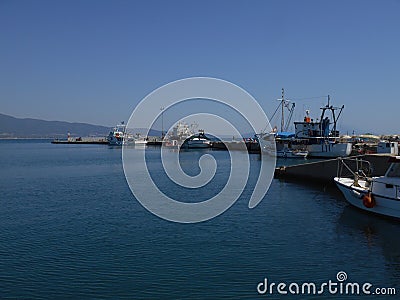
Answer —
368 201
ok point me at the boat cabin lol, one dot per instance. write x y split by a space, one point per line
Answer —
388 147
389 185
322 127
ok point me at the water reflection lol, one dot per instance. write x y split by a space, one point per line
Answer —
376 232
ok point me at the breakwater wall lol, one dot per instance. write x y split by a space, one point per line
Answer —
325 170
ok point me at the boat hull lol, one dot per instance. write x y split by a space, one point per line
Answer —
354 195
114 141
329 150
140 143
198 144
291 154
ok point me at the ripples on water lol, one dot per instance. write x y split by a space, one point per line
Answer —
70 228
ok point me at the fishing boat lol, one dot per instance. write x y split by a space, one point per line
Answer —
118 136
282 139
379 195
319 138
316 138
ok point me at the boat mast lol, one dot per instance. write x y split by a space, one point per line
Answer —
335 118
282 104
283 101
289 118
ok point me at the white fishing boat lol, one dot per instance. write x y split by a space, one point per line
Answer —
116 135
315 138
379 195
278 143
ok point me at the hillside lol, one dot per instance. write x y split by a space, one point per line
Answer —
11 127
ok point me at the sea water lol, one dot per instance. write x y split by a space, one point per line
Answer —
71 228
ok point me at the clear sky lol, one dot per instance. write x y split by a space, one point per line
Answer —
93 61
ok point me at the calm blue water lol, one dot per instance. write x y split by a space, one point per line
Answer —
70 228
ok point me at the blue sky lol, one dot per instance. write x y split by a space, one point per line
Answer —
93 61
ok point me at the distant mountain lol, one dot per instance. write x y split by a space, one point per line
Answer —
11 127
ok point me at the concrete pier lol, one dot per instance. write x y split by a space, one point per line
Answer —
252 147
324 171
81 140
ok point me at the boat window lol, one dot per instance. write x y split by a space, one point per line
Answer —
394 170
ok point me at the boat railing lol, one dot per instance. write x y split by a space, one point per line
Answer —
361 168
